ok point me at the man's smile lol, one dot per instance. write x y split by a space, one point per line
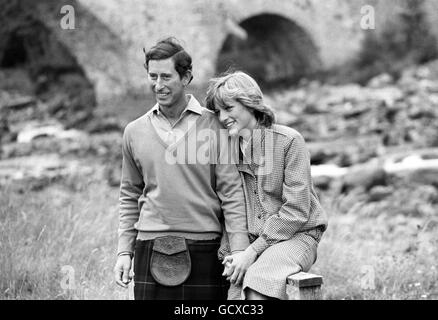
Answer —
162 94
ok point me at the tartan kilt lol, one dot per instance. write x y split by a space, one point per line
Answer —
205 281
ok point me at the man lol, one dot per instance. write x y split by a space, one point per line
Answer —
167 206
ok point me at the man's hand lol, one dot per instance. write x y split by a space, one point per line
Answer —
237 264
121 270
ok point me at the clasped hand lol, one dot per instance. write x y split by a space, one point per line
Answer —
236 265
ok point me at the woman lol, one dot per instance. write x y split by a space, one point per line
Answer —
285 218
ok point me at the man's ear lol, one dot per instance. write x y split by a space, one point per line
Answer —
187 78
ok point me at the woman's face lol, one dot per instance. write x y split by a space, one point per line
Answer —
235 117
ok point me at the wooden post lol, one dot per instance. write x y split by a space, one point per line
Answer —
304 286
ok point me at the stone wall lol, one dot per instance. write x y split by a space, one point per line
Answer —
109 35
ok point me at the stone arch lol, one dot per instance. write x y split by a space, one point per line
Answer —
92 50
273 49
33 47
32 53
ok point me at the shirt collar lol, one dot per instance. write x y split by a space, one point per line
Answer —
193 105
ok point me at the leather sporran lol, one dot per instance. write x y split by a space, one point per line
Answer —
170 261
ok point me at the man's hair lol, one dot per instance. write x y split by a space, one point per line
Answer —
170 48
243 88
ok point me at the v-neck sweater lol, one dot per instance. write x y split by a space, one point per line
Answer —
162 195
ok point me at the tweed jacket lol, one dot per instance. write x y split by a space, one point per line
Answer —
279 193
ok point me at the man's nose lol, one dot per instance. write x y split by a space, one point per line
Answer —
158 84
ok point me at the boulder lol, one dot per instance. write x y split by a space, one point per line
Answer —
34 130
379 193
34 171
381 80
365 177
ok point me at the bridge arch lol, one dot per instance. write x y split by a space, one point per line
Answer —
32 38
272 48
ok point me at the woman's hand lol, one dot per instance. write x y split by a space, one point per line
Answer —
237 264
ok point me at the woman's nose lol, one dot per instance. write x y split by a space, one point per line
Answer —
222 116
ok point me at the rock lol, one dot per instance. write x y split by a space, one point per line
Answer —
381 80
351 111
322 182
328 170
424 176
341 94
36 171
422 72
411 161
18 103
112 124
365 177
379 193
415 167
389 95
34 130
56 103
78 119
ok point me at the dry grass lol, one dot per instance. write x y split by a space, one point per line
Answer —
377 256
74 222
67 224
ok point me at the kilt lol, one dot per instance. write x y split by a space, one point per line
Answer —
204 283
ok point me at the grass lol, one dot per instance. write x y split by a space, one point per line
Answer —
67 226
377 256
71 225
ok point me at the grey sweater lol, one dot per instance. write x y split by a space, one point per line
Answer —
163 191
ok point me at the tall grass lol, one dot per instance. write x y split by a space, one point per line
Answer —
377 257
43 231
73 223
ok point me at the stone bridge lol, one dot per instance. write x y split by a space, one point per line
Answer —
276 40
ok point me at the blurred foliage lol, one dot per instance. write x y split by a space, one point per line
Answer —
405 42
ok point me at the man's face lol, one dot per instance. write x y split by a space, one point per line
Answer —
166 83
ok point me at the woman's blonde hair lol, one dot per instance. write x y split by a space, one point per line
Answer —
242 88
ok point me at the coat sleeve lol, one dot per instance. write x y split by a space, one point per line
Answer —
230 192
228 187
